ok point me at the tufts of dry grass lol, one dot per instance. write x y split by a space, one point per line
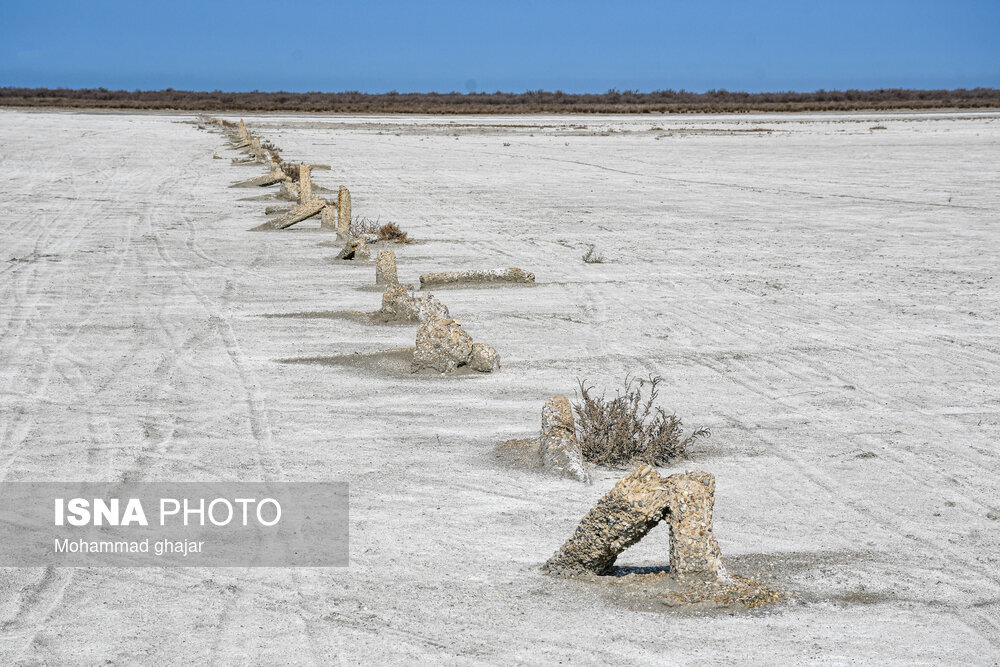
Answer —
630 428
592 256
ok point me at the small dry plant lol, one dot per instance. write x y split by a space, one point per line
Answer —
390 231
629 428
364 226
592 256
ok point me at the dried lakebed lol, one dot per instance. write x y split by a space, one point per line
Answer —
822 295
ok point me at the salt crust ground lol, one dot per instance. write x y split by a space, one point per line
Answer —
822 294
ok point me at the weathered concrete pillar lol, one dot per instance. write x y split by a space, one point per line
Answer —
385 268
693 547
305 184
621 518
559 448
328 218
638 502
344 212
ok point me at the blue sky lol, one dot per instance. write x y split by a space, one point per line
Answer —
430 45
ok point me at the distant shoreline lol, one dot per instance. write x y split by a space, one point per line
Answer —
537 102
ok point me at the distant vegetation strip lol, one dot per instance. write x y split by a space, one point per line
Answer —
613 101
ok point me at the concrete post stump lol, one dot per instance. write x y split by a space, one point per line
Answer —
385 268
344 212
559 448
305 184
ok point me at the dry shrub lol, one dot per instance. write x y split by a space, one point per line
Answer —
629 428
391 232
364 226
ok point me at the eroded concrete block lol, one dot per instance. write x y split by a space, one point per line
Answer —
511 275
427 305
399 305
297 214
262 181
626 514
442 345
355 248
385 268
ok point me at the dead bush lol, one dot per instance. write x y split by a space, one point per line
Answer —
391 232
364 226
629 428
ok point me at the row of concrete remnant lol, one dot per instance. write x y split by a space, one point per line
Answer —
623 516
441 344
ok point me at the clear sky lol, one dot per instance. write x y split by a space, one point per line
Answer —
430 45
